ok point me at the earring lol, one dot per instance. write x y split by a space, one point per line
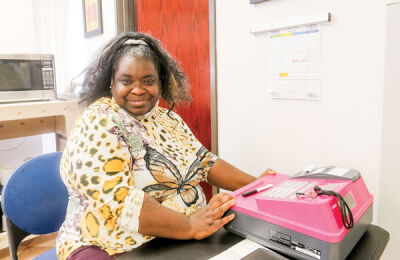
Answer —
111 83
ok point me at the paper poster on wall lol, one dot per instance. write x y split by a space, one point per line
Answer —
294 63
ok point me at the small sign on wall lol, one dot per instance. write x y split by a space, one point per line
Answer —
294 63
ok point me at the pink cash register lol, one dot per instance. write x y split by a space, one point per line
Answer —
318 214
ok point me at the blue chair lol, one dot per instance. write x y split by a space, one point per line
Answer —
34 201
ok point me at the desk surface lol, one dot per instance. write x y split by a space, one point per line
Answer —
370 246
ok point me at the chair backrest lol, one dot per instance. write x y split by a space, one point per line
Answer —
35 199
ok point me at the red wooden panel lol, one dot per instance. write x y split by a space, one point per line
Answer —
182 26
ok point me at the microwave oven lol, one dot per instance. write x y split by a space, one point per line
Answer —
27 77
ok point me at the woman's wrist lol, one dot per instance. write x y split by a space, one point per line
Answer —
189 227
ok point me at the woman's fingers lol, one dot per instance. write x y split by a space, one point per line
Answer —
208 219
220 199
221 209
267 172
218 207
270 171
219 223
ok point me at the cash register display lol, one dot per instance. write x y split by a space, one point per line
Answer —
349 200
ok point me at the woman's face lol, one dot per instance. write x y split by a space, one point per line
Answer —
136 85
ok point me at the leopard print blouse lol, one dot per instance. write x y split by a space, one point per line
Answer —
111 159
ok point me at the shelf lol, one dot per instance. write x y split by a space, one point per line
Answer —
33 118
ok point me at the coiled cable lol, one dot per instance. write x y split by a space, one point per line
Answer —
347 215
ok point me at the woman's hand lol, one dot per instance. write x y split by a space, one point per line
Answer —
208 219
267 172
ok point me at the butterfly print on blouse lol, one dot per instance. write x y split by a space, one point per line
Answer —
169 180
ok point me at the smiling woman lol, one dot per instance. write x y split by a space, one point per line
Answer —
136 86
100 75
133 169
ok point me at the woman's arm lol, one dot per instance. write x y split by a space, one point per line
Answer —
228 177
160 221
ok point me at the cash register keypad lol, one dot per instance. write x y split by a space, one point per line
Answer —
288 189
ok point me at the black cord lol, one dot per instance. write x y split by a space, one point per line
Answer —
347 216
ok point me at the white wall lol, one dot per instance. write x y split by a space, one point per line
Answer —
73 50
343 128
389 210
17 30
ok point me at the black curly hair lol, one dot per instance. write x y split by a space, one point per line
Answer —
99 74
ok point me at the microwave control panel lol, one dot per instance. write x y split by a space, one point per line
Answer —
48 79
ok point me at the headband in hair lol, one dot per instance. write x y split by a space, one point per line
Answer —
135 42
